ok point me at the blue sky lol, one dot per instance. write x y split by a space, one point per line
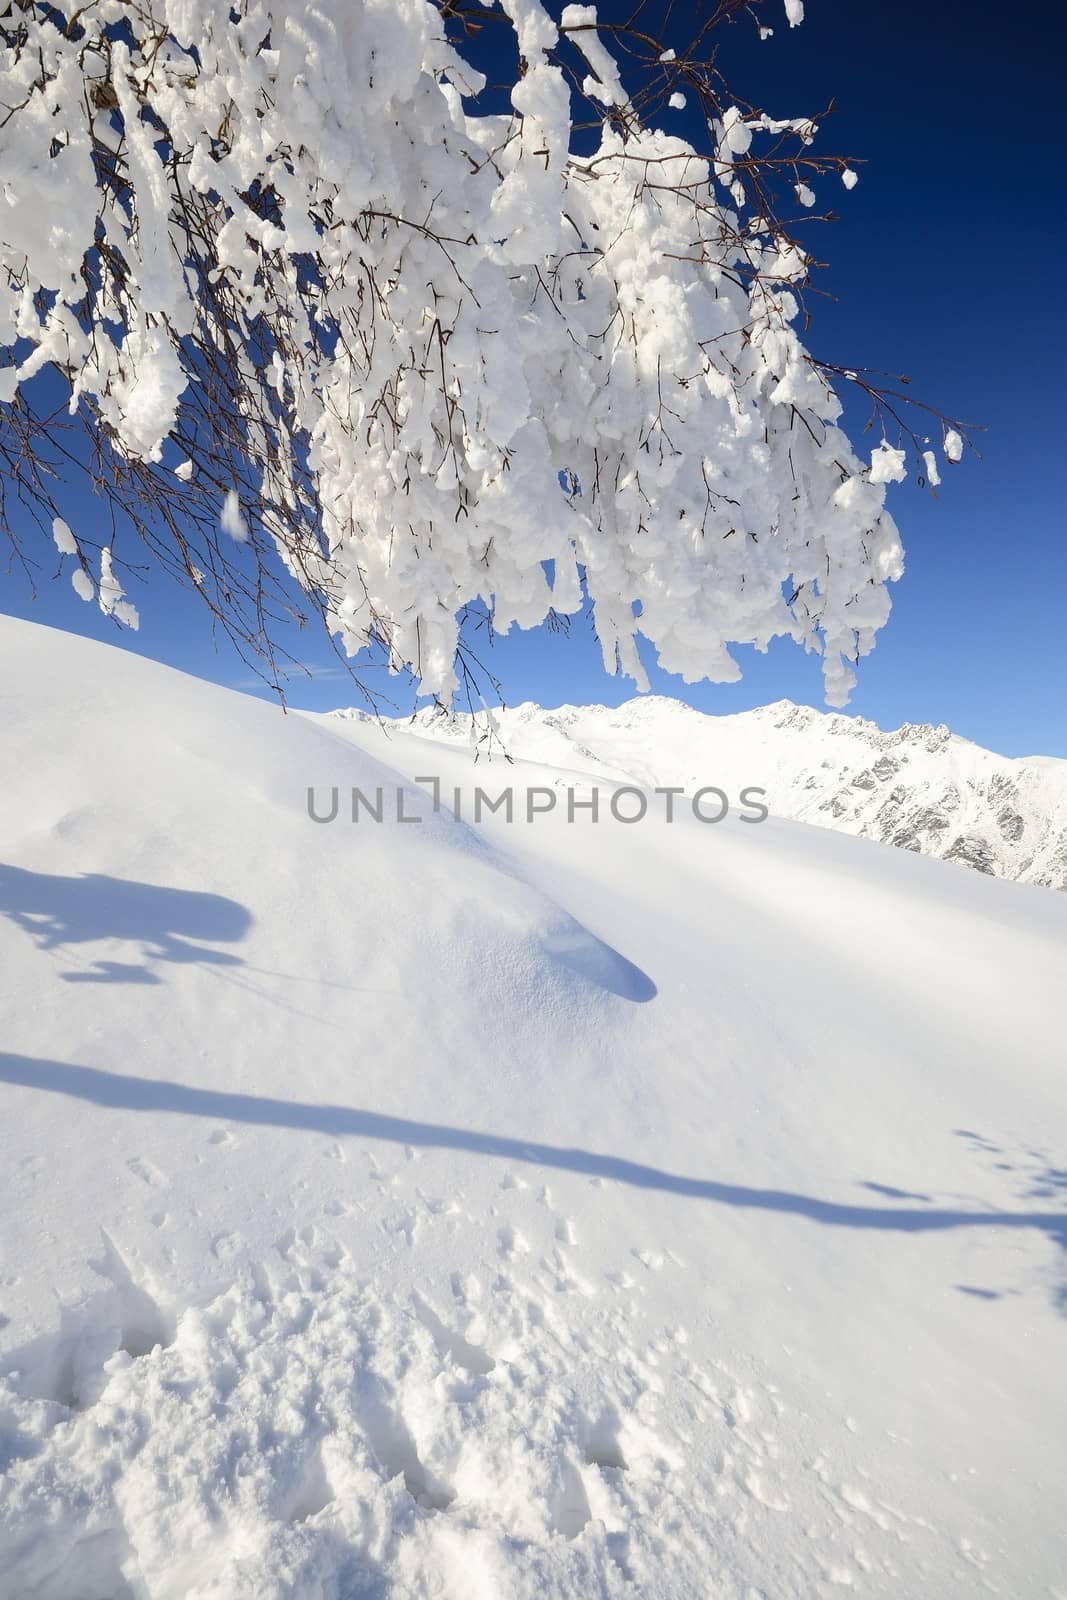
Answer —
944 266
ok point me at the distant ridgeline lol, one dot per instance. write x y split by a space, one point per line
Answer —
920 787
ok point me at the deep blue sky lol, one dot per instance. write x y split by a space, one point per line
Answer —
946 265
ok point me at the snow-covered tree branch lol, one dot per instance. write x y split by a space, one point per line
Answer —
309 295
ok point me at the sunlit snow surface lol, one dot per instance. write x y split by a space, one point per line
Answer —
557 1210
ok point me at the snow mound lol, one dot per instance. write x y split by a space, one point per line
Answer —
406 1208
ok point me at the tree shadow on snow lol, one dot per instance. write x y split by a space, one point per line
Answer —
122 1092
58 912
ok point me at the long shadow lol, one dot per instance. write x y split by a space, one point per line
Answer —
59 911
122 1092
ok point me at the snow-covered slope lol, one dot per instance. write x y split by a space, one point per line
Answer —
561 1210
919 787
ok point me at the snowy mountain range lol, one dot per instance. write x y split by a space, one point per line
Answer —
919 787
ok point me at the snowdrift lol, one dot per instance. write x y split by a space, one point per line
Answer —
571 1209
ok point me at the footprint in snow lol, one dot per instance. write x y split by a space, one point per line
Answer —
148 1172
